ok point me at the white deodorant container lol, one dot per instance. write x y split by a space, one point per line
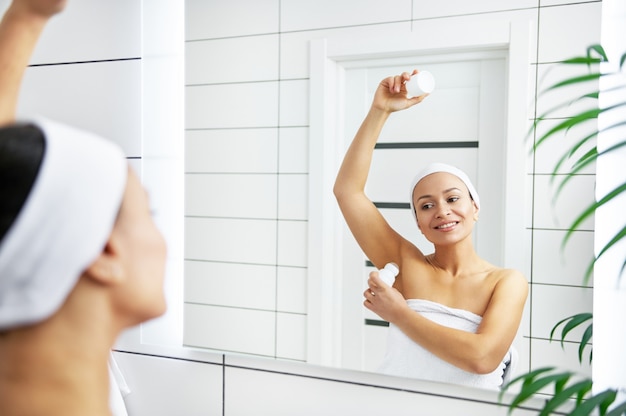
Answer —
421 83
389 273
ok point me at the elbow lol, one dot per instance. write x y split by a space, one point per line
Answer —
484 366
339 191
336 191
484 363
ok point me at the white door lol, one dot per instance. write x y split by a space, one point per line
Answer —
461 123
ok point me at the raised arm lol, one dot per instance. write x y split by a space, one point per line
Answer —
20 28
377 239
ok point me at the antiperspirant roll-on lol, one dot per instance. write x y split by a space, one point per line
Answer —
421 83
389 273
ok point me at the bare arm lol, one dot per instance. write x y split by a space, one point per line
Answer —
376 238
478 353
20 28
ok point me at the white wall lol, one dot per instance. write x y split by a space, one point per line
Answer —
609 294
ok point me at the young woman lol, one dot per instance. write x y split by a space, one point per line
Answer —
80 256
453 316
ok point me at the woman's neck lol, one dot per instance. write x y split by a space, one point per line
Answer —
47 370
457 259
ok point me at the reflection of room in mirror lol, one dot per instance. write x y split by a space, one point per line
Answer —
470 91
409 141
269 305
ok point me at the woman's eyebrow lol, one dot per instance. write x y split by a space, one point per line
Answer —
445 192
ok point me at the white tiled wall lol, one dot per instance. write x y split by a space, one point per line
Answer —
260 155
94 21
424 9
560 34
311 15
82 93
91 81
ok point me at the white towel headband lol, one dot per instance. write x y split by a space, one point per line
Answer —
63 225
442 167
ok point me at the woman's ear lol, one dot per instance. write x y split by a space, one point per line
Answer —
107 268
476 211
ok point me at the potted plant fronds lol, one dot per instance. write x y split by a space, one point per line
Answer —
567 392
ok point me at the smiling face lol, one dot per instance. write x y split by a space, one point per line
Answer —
444 208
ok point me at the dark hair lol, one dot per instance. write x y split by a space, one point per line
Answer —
22 147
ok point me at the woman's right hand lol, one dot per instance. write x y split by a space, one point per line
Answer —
391 94
20 28
39 8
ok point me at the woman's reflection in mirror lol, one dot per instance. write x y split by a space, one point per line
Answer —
453 316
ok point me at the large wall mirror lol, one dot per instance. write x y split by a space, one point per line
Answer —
246 294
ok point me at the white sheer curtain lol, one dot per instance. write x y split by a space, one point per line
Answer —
609 343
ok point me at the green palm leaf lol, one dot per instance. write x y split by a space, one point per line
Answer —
602 401
589 272
597 49
592 208
616 239
536 386
580 389
617 410
592 76
572 322
534 381
568 123
615 146
570 153
575 120
582 60
583 343
585 160
526 379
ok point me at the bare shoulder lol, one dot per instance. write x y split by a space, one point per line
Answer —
502 273
510 280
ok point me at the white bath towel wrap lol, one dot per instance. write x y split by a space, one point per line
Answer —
406 358
118 389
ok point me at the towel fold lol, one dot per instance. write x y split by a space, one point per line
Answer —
406 358
118 389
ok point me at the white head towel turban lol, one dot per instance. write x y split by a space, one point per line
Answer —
442 167
63 225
